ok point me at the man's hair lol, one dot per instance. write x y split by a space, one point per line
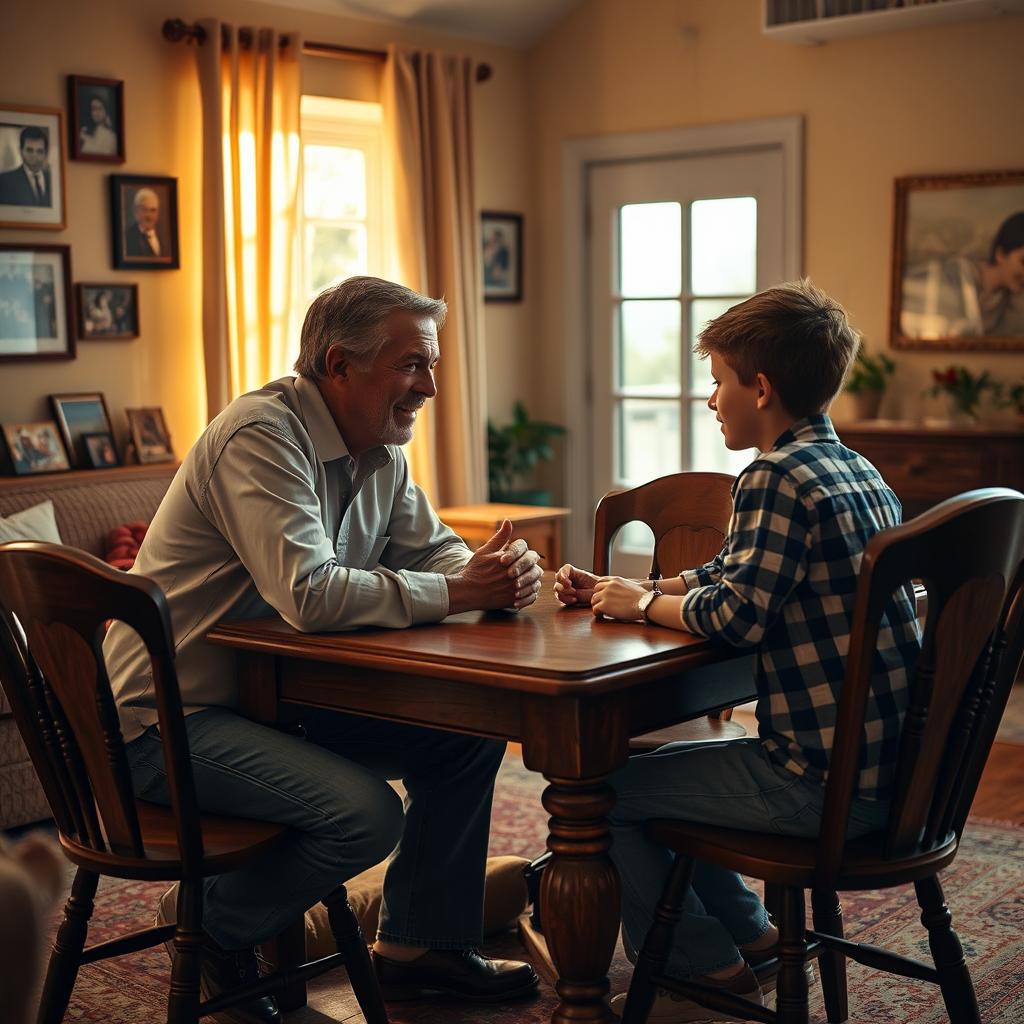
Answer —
352 315
1010 236
797 336
143 194
34 132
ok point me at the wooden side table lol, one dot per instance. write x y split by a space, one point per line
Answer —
540 526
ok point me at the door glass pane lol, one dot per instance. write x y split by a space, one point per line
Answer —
650 249
723 246
707 445
702 311
334 252
649 443
649 346
334 182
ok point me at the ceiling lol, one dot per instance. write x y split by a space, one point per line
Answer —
516 23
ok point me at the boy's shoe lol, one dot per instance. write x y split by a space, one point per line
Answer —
769 981
670 1008
462 973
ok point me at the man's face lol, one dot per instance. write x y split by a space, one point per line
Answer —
33 154
147 211
382 400
734 405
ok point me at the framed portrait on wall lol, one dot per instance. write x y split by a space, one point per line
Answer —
31 168
502 244
96 119
144 218
107 312
77 415
958 262
35 302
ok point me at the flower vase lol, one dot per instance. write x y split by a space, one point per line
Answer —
866 403
959 416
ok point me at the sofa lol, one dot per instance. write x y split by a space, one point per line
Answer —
87 505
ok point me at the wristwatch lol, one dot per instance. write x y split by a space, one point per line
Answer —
647 600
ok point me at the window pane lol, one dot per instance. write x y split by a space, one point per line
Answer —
334 252
650 250
707 445
633 539
649 345
723 246
334 183
648 440
701 312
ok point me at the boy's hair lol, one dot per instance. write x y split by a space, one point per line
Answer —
797 336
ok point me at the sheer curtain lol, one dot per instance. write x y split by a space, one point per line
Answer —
427 114
250 87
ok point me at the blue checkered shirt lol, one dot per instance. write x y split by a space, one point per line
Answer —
785 582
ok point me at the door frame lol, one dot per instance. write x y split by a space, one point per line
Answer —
578 156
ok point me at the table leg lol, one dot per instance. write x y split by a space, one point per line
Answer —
580 897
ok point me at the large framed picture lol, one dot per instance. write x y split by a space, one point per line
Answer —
150 435
144 216
78 415
35 447
31 168
107 312
958 262
96 119
502 241
35 302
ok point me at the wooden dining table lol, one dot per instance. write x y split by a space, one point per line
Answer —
572 689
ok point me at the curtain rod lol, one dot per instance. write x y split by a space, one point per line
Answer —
175 30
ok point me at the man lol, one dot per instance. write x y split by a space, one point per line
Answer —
297 500
29 184
142 238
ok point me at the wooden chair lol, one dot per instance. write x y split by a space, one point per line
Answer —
688 513
54 676
969 552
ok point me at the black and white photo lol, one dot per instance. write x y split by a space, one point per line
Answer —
96 119
31 168
107 312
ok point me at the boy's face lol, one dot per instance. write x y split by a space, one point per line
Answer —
735 406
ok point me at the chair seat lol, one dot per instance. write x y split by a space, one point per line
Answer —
787 860
228 843
688 732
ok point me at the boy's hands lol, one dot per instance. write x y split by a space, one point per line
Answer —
503 573
617 598
575 586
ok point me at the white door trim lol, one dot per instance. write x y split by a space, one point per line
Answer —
577 157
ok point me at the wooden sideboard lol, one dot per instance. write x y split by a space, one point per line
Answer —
925 465
540 526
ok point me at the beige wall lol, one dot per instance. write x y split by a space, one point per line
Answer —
45 40
937 100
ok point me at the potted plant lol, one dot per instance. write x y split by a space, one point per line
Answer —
512 451
964 391
1013 396
867 382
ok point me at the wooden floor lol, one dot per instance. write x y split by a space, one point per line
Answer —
1001 793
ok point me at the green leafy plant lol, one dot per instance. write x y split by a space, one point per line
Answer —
514 449
1013 395
869 373
964 388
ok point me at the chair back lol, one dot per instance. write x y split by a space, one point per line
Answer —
688 513
969 552
55 603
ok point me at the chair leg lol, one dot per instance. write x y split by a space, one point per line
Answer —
66 956
349 938
791 994
828 919
183 997
658 943
948 954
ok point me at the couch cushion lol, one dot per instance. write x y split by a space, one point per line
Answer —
35 523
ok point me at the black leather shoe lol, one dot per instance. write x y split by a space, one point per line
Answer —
462 973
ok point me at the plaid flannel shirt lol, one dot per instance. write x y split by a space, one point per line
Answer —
785 582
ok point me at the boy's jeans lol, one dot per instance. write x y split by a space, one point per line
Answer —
733 784
330 789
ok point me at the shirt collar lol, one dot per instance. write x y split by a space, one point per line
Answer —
816 427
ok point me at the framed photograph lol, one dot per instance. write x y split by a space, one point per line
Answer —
77 415
100 452
35 448
502 242
958 262
31 168
144 215
96 119
107 312
35 302
149 432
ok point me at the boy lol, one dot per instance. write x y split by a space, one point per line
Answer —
784 582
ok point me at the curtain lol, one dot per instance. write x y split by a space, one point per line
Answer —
427 114
250 88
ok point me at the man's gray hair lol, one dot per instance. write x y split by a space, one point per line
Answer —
352 315
142 195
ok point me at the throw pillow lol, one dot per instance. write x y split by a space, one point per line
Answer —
123 544
35 523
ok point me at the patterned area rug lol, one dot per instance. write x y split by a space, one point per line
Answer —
985 890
